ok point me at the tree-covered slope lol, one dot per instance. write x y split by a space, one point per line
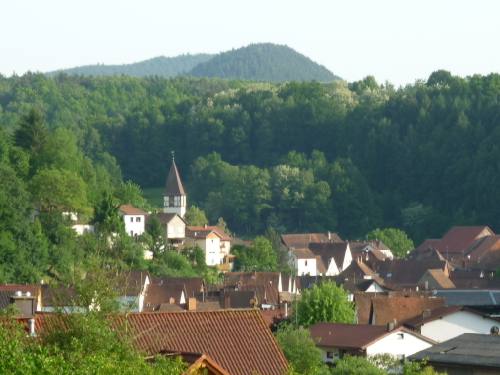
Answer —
159 66
263 62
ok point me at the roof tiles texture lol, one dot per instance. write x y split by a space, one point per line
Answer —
128 209
239 341
302 240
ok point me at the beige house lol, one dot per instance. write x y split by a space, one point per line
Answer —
174 226
212 240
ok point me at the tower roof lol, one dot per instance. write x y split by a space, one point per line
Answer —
173 185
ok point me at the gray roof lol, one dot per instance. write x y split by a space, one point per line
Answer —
173 185
465 297
468 349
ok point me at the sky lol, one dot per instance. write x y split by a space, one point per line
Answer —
398 41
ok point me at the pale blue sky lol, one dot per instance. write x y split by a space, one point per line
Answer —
395 40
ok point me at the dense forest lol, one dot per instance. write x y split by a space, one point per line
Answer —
263 62
295 156
158 66
258 62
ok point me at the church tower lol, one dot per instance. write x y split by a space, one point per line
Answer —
174 199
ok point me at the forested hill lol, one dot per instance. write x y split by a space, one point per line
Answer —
263 62
295 156
159 66
257 62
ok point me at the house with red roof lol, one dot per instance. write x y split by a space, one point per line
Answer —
337 340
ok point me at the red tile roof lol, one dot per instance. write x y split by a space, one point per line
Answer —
438 313
204 231
302 240
375 308
458 239
239 341
128 209
353 336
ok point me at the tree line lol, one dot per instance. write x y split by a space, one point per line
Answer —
343 156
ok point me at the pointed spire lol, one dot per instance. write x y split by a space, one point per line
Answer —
173 185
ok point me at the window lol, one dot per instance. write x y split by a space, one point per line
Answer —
166 201
132 233
177 201
131 219
138 219
329 355
305 263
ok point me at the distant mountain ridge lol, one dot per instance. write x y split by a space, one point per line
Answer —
258 62
157 66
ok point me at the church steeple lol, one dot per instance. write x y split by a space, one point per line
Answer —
174 199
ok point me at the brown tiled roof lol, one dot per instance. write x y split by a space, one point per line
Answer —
193 286
239 341
264 284
407 272
458 239
475 279
173 185
158 294
330 250
302 240
430 243
5 298
388 309
359 271
357 248
353 336
438 278
437 313
303 254
128 209
165 218
204 231
58 296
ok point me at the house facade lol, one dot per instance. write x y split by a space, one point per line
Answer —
134 219
337 340
214 242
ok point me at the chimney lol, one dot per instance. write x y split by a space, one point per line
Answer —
32 327
191 304
206 226
329 236
25 303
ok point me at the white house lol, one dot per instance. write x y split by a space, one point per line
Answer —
336 340
304 262
445 323
321 258
174 226
134 219
212 240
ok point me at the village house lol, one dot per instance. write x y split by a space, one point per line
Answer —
460 243
133 290
134 219
215 243
337 340
174 227
392 307
444 323
321 258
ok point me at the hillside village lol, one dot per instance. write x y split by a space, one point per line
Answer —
443 294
